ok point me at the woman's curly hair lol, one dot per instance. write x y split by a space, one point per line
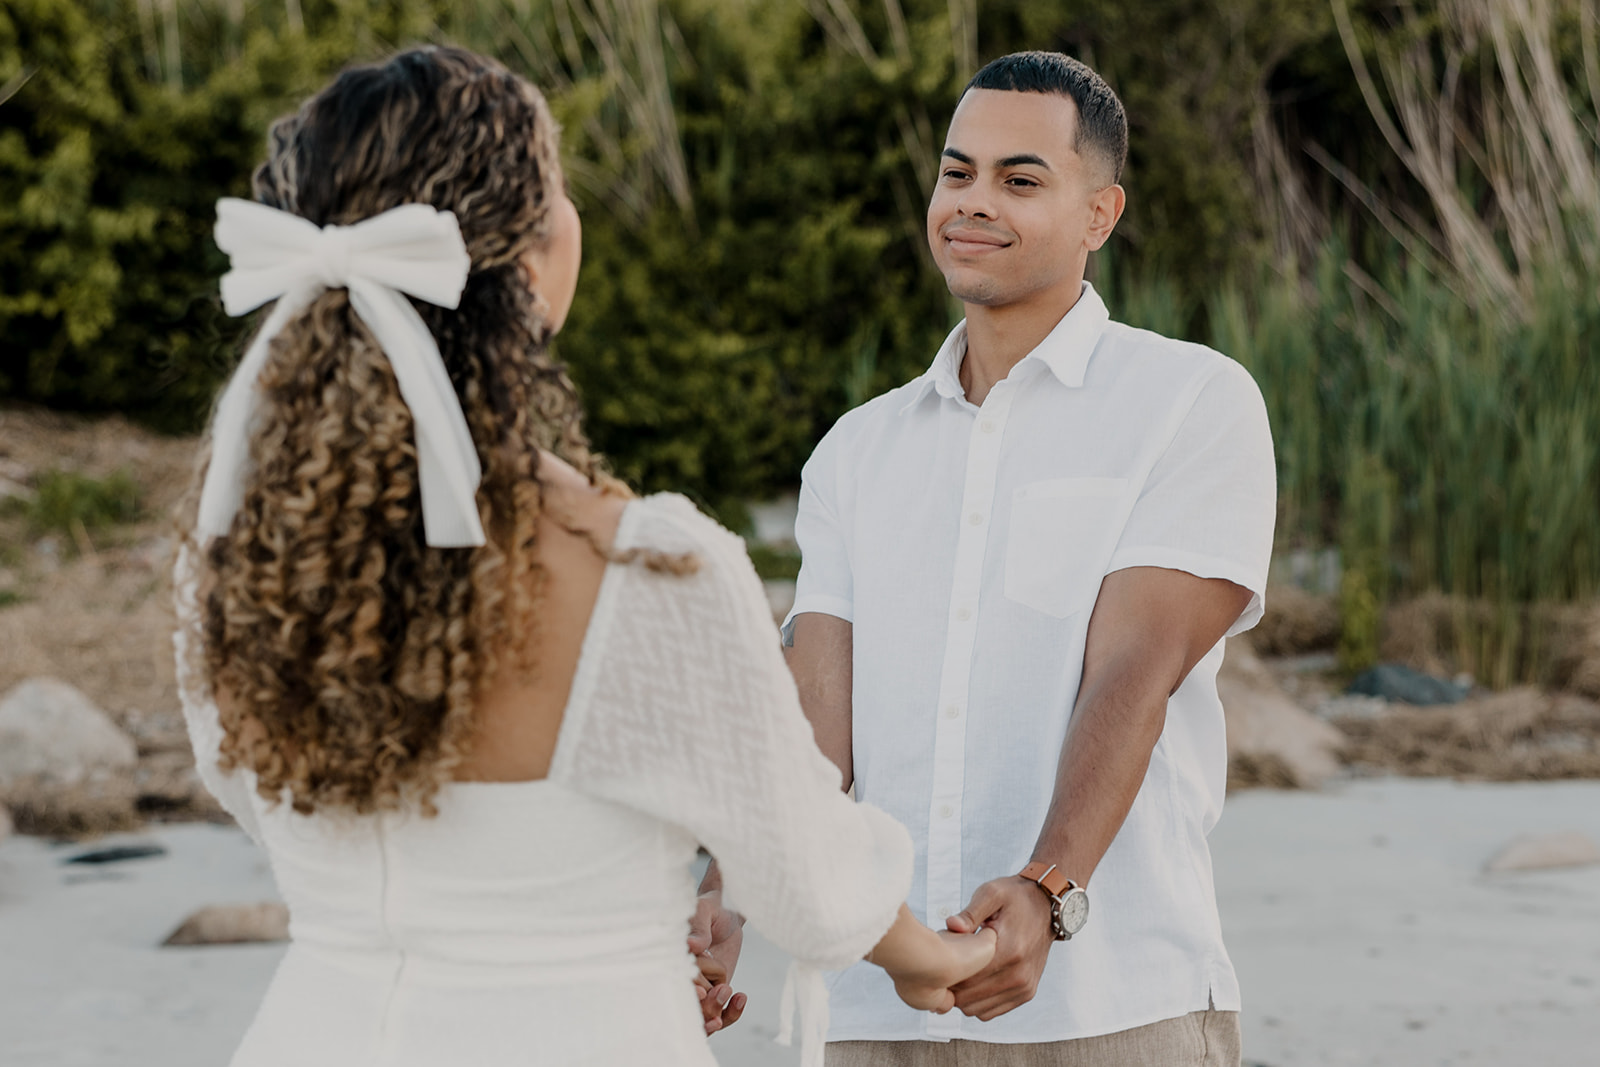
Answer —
350 650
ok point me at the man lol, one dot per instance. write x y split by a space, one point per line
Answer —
1018 570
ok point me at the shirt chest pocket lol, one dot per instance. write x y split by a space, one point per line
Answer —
1063 532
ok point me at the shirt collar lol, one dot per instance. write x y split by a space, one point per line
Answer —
1065 350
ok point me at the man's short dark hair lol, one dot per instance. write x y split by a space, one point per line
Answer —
1102 124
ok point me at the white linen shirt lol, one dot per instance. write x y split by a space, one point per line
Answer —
967 545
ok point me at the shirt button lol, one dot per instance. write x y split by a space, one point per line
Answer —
987 426
944 913
945 811
975 519
952 712
964 614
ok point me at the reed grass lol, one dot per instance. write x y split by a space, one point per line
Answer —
1441 449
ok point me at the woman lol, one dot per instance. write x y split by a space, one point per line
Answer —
478 704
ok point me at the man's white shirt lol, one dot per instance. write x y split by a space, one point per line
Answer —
967 545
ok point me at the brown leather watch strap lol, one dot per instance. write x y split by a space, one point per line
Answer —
1048 877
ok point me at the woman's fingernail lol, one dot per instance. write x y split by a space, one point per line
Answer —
724 995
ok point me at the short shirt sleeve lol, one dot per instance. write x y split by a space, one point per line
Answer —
826 584
1210 502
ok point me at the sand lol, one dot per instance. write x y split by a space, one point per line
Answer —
1359 919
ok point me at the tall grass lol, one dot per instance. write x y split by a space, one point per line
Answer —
1441 448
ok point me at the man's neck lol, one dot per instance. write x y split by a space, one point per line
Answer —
998 338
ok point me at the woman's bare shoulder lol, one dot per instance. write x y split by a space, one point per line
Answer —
588 511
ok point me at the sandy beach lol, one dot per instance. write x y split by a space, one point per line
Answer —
1359 917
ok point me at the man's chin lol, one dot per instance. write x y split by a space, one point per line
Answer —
983 292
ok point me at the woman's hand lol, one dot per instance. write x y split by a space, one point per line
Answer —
931 963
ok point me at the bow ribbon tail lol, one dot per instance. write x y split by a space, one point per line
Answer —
447 459
805 993
223 491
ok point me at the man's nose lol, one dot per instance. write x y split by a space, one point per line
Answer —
975 204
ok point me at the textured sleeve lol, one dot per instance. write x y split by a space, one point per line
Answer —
234 791
826 583
1210 502
688 713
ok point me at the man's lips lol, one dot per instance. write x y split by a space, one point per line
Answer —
974 242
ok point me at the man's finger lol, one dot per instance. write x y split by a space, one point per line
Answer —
712 969
980 987
735 1008
985 902
993 1007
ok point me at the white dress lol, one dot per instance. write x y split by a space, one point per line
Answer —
543 923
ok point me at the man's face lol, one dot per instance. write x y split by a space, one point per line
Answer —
1016 209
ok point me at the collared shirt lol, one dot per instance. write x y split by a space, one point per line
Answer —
967 545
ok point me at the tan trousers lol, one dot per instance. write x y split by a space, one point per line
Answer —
1200 1039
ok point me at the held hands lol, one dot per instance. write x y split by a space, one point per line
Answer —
715 937
925 977
1019 914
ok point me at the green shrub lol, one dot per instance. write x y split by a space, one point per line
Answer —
774 562
66 502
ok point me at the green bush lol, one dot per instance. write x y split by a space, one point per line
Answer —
753 201
67 502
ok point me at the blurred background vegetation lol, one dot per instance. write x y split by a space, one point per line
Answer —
1389 212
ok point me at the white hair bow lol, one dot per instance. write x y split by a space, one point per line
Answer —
411 249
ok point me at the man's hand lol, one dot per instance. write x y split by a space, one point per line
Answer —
1019 913
715 937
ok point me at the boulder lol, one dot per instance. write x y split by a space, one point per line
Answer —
1397 682
65 767
233 924
1268 731
50 732
1540 852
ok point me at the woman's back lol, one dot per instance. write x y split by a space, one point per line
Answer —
544 921
518 714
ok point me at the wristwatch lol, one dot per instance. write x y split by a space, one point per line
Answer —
1069 904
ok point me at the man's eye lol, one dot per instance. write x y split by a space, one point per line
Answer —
1028 182
955 175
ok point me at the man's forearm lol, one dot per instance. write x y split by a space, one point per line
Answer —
1149 629
820 660
1103 763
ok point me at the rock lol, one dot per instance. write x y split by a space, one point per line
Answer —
117 854
51 733
65 767
5 824
1277 740
1394 681
1540 852
233 924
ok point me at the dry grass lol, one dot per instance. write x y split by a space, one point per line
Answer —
1519 735
1556 645
1259 771
1296 622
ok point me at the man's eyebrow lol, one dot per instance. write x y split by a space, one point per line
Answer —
1023 160
960 157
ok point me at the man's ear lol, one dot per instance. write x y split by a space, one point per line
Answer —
1106 207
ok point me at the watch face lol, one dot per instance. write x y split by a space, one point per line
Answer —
1074 910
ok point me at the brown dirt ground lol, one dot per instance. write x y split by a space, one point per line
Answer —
99 615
